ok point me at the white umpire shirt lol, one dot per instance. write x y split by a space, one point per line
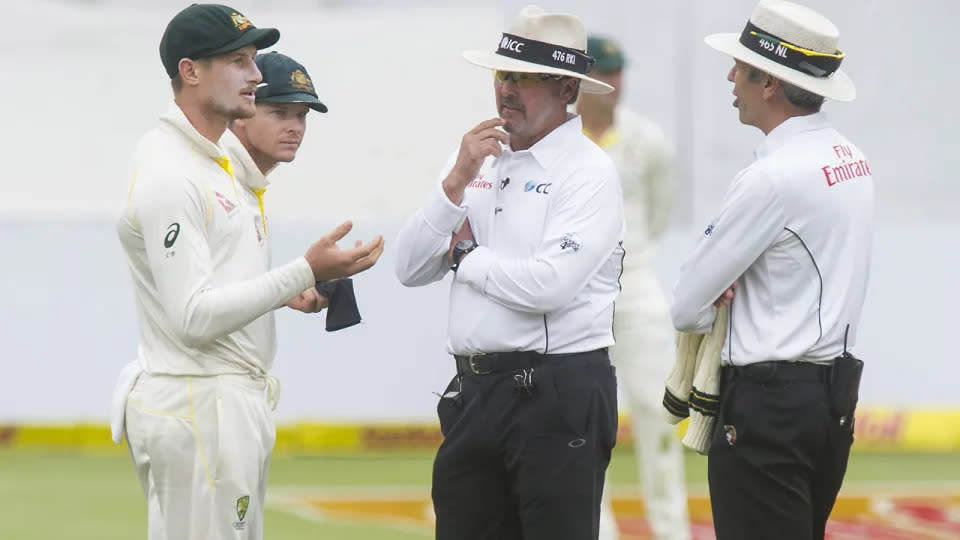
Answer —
195 241
795 230
549 223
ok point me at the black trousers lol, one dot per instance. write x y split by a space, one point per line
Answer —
518 465
778 455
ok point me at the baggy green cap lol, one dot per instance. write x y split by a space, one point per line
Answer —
202 30
607 52
286 81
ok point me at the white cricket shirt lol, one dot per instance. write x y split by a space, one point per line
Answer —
195 243
795 229
549 221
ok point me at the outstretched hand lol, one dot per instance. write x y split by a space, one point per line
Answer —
328 261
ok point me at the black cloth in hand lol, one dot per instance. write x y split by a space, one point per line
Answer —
342 310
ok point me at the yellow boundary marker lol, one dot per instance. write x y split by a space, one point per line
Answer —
877 430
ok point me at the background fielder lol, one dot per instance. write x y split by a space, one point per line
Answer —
645 346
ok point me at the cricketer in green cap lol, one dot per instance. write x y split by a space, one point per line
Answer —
644 161
274 134
208 50
608 69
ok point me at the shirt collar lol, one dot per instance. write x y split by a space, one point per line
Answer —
245 168
179 121
551 147
788 129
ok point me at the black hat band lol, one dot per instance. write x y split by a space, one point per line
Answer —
814 63
545 54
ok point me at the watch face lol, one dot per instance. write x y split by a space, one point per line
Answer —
464 245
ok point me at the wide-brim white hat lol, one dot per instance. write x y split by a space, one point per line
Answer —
794 44
542 42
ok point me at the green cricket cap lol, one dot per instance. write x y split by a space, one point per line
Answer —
286 81
202 30
607 52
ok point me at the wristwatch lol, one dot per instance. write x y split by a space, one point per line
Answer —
460 251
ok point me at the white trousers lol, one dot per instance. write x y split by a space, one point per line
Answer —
201 447
644 355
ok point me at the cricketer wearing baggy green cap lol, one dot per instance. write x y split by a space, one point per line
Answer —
194 232
609 69
283 99
274 135
208 51
644 350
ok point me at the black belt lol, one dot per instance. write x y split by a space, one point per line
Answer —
485 364
778 370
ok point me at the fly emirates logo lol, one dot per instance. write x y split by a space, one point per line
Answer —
848 169
480 183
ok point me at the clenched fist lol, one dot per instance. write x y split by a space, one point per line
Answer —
309 301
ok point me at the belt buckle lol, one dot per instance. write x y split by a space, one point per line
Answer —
474 368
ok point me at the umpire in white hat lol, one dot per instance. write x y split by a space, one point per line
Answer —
790 252
529 219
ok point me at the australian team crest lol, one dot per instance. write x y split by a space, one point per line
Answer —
242 504
241 22
300 81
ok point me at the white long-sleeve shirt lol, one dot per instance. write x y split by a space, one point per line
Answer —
195 243
795 230
549 223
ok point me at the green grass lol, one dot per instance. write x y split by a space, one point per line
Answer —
57 496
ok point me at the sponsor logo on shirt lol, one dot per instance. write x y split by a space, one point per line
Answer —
847 169
539 188
480 183
226 203
173 231
570 241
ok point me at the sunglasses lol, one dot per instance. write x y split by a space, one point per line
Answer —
525 80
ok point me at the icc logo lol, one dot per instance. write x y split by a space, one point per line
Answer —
511 44
539 188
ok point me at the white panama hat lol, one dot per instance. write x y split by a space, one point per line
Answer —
542 42
794 44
